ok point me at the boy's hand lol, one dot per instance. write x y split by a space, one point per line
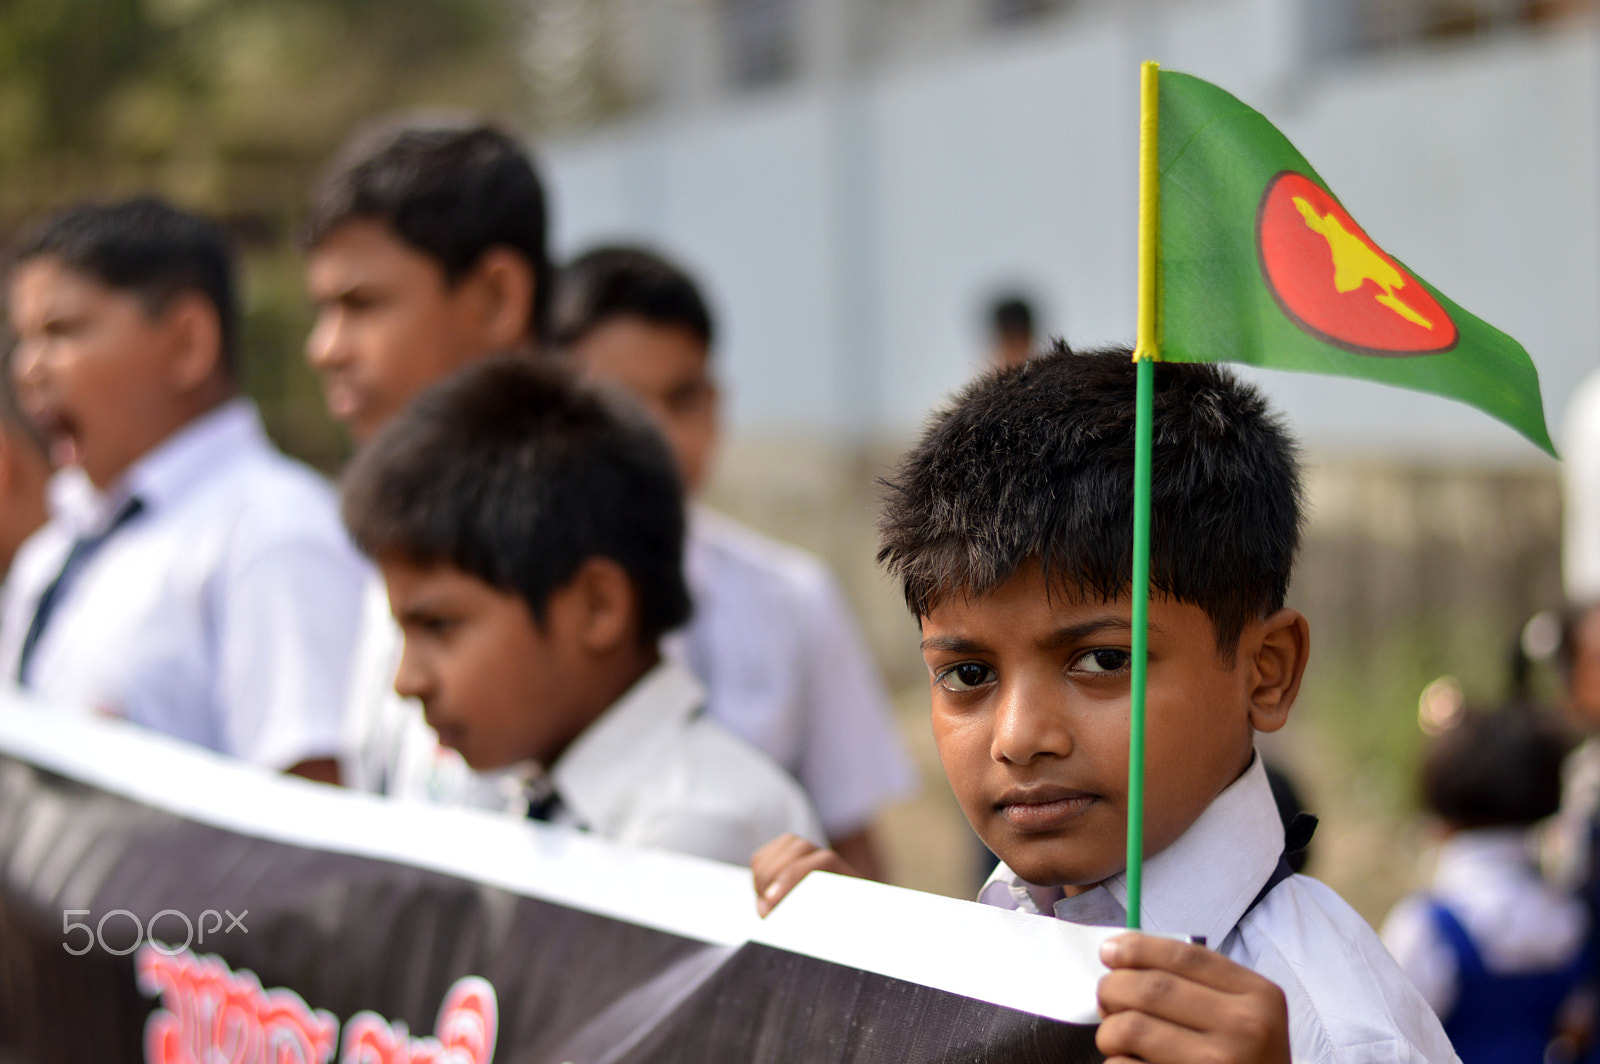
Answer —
1170 1002
784 862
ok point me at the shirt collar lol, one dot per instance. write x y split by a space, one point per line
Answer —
1468 855
1199 885
597 774
165 473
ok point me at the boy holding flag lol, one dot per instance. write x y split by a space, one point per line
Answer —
1027 632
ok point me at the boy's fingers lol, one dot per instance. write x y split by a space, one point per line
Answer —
1144 1038
1166 1000
1153 1040
774 856
1195 963
1161 994
790 876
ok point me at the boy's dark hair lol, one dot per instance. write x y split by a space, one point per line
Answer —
1012 316
1495 769
1035 464
451 189
608 283
515 473
148 248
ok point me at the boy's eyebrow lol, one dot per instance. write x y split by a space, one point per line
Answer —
1077 633
1066 636
952 644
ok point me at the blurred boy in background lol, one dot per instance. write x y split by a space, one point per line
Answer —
191 579
425 254
530 534
771 636
1493 948
1011 333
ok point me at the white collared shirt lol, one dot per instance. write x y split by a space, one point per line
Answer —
224 613
1580 492
653 770
788 671
1517 922
1348 1000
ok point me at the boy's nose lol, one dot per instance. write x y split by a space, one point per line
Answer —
326 343
27 363
1027 725
411 679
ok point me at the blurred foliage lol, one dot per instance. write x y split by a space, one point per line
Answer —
231 107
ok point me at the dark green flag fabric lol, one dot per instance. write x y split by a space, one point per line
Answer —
1260 264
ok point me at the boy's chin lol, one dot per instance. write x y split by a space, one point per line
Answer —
1049 870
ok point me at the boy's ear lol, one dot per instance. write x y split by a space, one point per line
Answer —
195 334
504 288
607 605
1279 645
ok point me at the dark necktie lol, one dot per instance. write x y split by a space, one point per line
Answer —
544 808
82 550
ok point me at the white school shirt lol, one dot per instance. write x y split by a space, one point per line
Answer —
1348 1001
653 770
788 671
1580 492
1565 842
224 613
1517 921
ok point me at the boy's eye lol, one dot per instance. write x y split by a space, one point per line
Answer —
965 676
1103 660
435 625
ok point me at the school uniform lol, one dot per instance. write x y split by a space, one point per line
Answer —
1580 495
653 770
212 595
1492 947
788 671
1348 1000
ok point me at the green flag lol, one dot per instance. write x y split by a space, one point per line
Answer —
1260 264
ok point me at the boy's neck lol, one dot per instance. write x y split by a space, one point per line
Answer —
625 668
615 674
181 413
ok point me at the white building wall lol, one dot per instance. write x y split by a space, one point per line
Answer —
851 230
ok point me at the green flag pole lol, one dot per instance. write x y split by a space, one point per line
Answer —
1145 354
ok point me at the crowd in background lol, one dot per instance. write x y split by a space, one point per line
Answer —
515 602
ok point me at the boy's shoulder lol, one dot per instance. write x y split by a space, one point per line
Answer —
223 468
722 550
1348 998
250 498
655 770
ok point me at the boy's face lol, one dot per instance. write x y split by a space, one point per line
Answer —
387 325
496 686
1030 713
667 368
91 366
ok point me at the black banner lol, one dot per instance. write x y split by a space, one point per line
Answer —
161 904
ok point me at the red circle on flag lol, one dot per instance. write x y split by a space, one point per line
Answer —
1335 283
